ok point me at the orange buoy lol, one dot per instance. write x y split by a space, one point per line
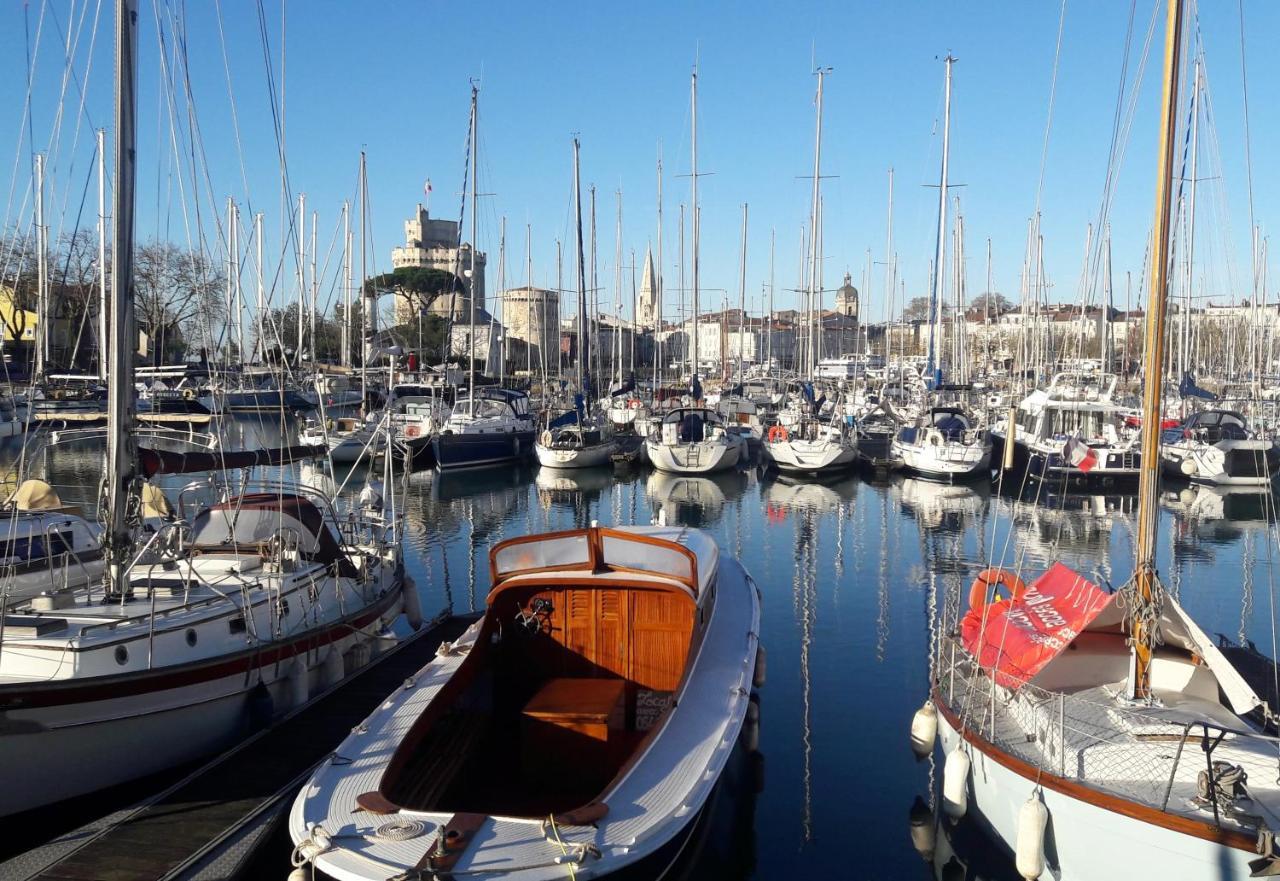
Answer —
988 583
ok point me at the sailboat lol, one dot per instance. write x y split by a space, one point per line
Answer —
576 730
805 441
490 425
212 625
693 439
1105 735
573 439
946 443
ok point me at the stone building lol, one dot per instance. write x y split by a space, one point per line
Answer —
646 309
533 315
434 244
847 299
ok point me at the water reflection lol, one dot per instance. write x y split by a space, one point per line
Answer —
693 501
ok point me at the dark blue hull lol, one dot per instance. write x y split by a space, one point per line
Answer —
473 450
256 400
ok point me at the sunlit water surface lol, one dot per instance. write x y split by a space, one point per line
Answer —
846 569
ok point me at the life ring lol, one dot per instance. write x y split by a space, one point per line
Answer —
777 433
188 394
982 587
634 404
412 431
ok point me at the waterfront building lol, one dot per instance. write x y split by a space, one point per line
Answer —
434 244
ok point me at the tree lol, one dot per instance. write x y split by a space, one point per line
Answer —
174 290
417 283
997 304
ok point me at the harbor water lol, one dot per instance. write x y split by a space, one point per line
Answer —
851 571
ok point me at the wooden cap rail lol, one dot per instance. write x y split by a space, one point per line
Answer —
592 558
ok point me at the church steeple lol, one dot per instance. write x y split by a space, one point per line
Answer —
847 298
645 311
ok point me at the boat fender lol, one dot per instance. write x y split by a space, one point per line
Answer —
299 874
1033 817
756 766
545 440
261 706
299 686
751 727
333 669
1189 467
955 784
757 678
924 729
981 590
924 836
412 603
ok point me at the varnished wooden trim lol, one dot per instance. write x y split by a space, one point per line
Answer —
1114 803
596 561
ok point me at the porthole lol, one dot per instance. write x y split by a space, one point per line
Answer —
122 655
191 636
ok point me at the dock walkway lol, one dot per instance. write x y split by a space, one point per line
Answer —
208 824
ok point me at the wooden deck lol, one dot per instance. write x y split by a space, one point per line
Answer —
180 831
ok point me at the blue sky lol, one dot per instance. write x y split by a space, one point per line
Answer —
394 78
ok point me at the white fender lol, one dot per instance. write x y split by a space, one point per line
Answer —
757 679
412 603
1189 467
1033 817
924 836
955 784
299 685
333 669
924 729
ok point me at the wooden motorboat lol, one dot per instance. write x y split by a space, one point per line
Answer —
578 727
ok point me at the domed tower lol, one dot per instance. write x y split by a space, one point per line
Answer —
847 299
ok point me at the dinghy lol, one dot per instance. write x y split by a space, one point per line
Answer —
578 728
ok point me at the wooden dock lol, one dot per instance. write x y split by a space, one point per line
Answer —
209 824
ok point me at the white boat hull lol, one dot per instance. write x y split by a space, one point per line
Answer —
702 457
797 456
1089 842
595 456
947 461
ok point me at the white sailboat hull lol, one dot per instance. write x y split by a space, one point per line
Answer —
945 461
595 456
798 456
1089 842
701 457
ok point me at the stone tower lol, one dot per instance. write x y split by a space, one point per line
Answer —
646 308
847 299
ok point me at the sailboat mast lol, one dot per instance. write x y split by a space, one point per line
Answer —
261 303
300 252
693 98
42 271
1185 342
103 318
657 292
1146 583
471 281
239 291
888 270
315 284
345 347
813 227
935 295
122 454
368 297
584 366
769 323
231 267
742 292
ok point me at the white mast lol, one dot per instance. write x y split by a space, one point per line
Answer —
813 223
103 319
345 345
502 301
657 293
471 280
742 291
584 365
262 290
42 271
239 288
300 253
315 284
617 292
888 270
369 297
1185 342
935 296
693 98
769 322
231 268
